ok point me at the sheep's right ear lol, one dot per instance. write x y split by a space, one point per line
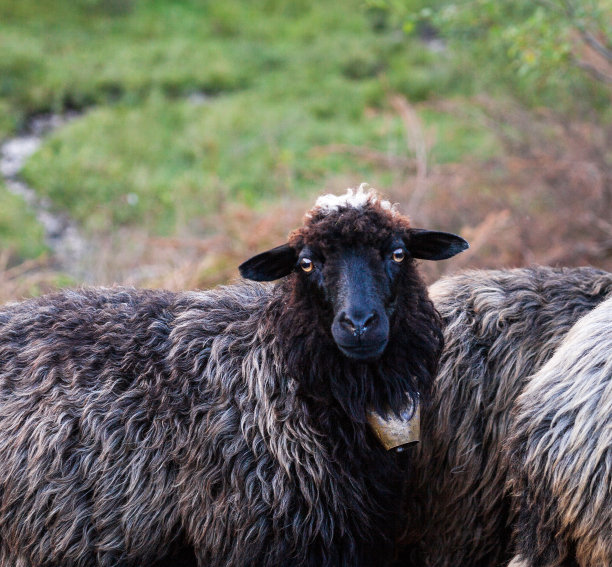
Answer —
271 265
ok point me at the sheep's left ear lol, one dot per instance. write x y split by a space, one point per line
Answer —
433 245
271 265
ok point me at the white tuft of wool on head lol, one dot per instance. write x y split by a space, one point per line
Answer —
354 198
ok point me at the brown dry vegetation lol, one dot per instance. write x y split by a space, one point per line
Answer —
546 201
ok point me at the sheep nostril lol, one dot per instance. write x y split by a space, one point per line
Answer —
347 324
371 318
357 325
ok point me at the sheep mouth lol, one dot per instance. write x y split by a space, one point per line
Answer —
363 351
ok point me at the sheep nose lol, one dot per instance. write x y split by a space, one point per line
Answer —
356 323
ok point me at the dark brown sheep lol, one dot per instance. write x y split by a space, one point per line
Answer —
232 422
500 328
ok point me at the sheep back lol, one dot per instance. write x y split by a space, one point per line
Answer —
101 395
136 422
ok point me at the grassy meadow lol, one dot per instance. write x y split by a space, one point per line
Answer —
204 129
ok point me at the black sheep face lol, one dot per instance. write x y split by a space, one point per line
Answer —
352 253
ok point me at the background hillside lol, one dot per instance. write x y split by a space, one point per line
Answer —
163 142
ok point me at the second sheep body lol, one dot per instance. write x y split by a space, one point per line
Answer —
501 326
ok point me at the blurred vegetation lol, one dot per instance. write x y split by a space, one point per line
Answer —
542 82
203 122
197 102
20 234
532 50
170 164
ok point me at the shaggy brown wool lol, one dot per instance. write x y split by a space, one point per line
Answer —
560 447
136 422
501 327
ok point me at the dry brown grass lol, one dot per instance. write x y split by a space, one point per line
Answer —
547 201
33 277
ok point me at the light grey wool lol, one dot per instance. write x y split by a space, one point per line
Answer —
560 448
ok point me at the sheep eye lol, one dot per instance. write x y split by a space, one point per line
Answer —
307 265
398 255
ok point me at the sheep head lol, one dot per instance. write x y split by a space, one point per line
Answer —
353 252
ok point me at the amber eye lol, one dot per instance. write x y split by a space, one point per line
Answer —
306 264
398 255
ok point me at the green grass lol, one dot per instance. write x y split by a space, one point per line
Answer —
21 235
77 62
455 139
8 120
169 163
57 54
281 78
